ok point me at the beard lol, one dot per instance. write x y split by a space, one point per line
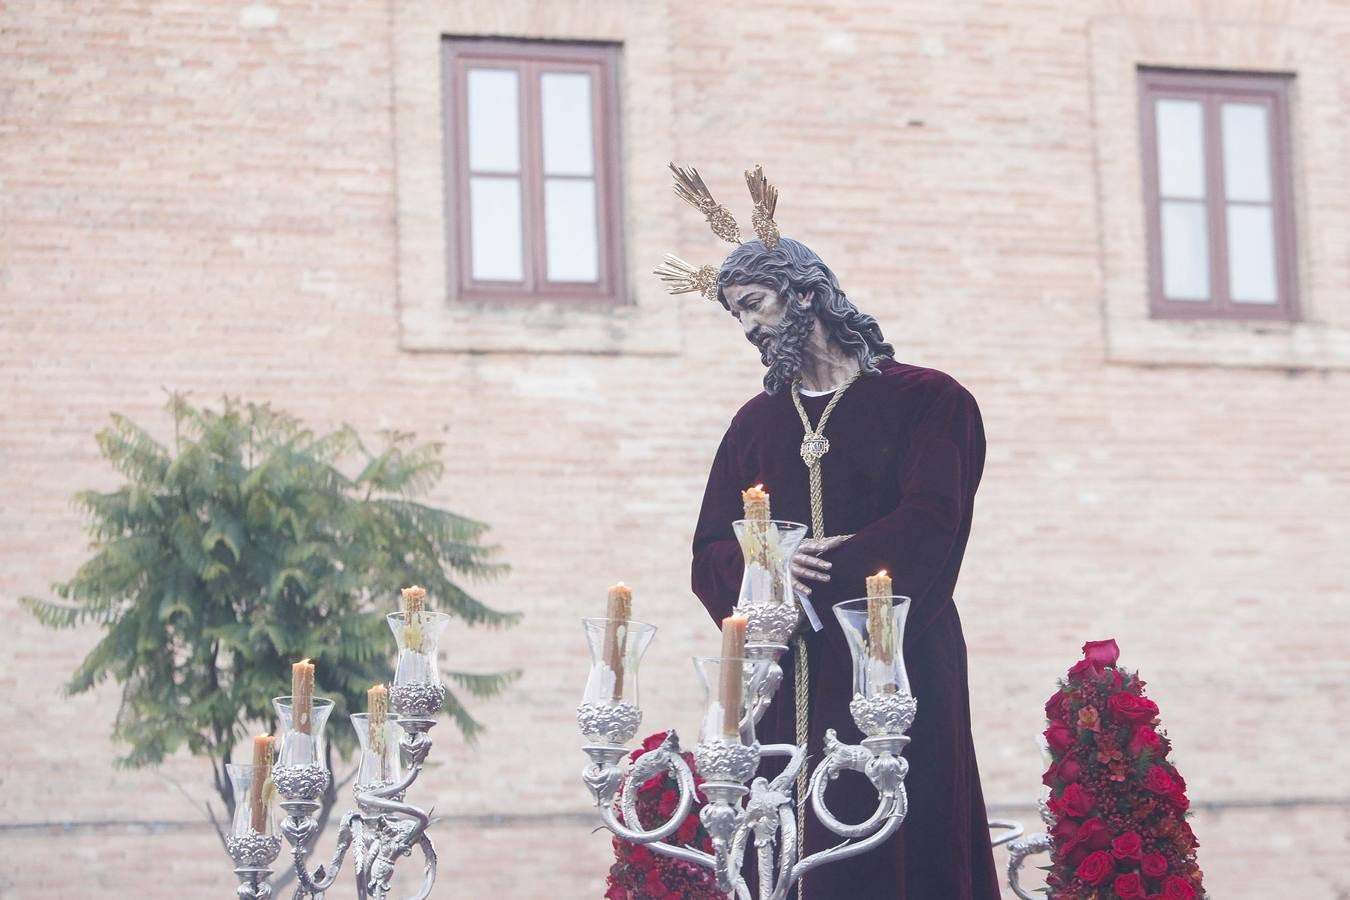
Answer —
781 346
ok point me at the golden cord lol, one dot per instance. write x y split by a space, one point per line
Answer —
801 680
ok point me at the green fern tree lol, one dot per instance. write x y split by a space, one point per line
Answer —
249 543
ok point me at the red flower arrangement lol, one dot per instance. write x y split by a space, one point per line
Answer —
1120 807
638 873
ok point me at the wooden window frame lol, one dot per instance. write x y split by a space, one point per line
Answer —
1212 88
530 58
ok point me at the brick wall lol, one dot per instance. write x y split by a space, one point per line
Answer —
204 196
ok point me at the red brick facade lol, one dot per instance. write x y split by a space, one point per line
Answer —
246 198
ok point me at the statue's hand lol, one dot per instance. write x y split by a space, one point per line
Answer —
807 564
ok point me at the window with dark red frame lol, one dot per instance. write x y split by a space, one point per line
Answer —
532 181
1218 193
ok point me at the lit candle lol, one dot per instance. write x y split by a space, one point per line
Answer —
262 771
881 648
619 610
731 690
756 501
377 708
413 605
302 696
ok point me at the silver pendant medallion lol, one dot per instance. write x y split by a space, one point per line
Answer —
814 446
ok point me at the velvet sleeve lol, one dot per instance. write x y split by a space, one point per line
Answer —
718 562
915 541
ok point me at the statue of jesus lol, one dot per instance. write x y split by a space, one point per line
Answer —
897 488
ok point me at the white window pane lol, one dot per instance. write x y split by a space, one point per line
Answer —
570 227
496 238
1246 152
494 120
1251 255
1181 148
1185 247
567 123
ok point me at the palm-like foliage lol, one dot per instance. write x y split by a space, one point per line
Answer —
245 546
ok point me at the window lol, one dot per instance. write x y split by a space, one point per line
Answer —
1216 164
531 158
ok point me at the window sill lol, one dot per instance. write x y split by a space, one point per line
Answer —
1227 343
563 327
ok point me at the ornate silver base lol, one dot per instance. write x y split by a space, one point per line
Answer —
253 851
300 782
608 723
883 714
417 701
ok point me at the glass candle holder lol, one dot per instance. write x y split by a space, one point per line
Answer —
380 763
727 749
416 691
766 596
253 840
301 771
874 628
609 712
729 686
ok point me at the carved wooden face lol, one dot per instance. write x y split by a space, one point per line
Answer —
758 308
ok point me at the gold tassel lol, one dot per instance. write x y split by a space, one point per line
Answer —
765 197
690 188
682 278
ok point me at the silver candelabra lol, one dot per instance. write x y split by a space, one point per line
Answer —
383 827
741 806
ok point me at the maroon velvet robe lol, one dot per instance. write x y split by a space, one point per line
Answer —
906 454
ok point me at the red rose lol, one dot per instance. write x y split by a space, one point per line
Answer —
1076 801
1154 865
1159 782
1128 709
669 800
1059 736
1127 846
1177 888
1145 738
1063 830
1130 886
1096 868
652 741
1057 707
1081 670
1094 834
1067 769
1101 654
639 855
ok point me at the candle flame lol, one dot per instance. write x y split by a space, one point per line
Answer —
880 574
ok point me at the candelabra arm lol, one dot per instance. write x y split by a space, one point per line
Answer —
1018 851
796 759
300 828
842 851
885 770
1011 831
666 757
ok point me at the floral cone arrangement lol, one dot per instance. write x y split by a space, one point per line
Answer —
638 872
1120 807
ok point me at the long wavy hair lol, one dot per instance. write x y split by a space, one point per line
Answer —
795 271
